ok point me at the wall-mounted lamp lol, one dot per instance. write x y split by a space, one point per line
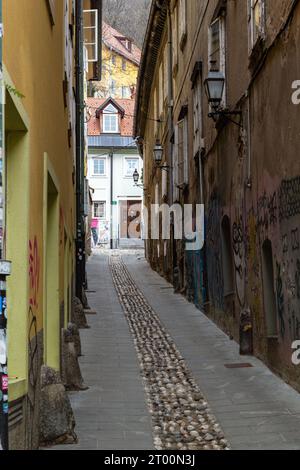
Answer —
214 87
136 179
158 156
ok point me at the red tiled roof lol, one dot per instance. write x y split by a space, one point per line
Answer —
111 38
126 123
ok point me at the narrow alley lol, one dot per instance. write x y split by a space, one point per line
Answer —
150 227
162 375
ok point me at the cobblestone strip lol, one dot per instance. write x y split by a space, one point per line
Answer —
180 414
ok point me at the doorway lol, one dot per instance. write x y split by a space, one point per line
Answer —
130 219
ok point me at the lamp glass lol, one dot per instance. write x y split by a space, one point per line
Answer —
136 176
214 85
158 153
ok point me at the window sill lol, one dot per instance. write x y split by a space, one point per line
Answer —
256 54
17 388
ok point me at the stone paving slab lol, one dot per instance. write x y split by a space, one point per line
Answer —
113 413
244 401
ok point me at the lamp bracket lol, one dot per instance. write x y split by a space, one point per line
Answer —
222 113
164 167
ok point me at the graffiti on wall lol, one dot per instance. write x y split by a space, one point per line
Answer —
280 300
238 245
214 266
34 273
33 368
267 210
61 227
289 198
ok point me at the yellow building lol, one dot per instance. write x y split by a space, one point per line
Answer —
120 65
39 74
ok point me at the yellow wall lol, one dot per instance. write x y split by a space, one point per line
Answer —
34 59
115 72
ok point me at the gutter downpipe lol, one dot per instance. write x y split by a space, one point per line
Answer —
111 198
80 248
170 104
171 133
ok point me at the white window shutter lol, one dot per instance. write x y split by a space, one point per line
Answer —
175 163
91 30
185 149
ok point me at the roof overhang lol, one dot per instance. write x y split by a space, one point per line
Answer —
151 47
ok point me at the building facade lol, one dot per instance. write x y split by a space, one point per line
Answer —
120 65
40 209
240 163
113 158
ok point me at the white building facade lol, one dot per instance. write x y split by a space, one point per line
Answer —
117 201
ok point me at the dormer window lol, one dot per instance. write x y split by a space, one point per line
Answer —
110 120
127 43
110 114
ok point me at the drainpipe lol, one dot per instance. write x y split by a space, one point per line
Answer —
80 236
111 155
171 133
5 269
249 169
170 100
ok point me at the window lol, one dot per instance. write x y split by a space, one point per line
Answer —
113 59
110 123
110 120
256 21
160 89
182 23
99 166
197 111
99 210
128 44
51 10
131 164
217 45
182 145
124 65
91 32
126 93
113 87
217 48
175 35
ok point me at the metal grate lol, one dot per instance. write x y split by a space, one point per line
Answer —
15 414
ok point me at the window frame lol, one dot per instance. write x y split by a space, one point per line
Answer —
222 50
101 217
100 175
182 172
252 37
108 129
51 10
126 159
127 89
182 26
197 116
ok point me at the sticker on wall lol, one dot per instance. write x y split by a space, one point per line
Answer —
2 347
5 408
4 383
